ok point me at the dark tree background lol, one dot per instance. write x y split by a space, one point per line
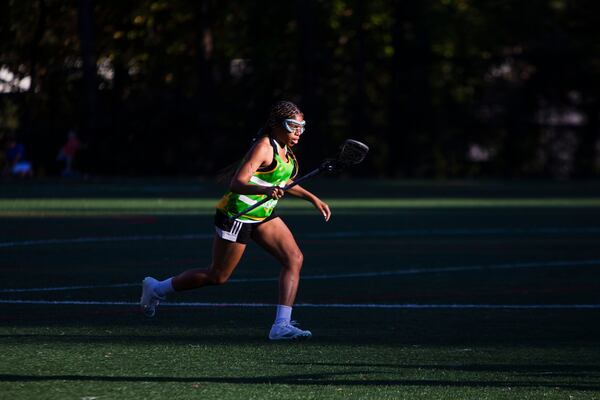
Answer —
438 88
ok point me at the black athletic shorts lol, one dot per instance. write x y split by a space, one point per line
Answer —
236 231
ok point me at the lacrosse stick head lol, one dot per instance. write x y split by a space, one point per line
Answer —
352 152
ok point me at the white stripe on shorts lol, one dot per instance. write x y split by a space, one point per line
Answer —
232 234
237 226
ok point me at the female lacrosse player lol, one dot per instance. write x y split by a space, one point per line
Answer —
269 165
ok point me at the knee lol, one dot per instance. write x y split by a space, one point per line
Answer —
295 260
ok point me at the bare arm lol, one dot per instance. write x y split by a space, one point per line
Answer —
260 154
299 191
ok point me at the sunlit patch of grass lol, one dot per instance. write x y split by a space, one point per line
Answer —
205 206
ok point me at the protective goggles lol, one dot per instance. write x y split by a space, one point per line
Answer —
292 126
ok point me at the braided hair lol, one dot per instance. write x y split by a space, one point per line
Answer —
279 111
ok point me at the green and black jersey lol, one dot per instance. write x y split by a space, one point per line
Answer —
278 173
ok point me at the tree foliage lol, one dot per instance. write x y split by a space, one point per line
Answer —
438 88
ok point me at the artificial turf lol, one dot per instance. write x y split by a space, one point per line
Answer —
436 254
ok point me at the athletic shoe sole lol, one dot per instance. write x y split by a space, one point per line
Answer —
146 305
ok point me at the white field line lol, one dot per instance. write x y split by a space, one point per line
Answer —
311 305
323 235
374 274
457 232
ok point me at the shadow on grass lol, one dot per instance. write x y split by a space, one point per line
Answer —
229 336
200 338
324 379
237 327
550 370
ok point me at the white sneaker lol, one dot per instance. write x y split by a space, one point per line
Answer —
288 331
150 299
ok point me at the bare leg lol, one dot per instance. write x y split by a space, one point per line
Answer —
226 256
275 237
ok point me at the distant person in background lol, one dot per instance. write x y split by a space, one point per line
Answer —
68 151
16 165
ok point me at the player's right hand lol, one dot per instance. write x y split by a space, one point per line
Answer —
274 192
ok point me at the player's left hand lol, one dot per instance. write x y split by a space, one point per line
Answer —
323 208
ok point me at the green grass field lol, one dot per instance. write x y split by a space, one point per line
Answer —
457 290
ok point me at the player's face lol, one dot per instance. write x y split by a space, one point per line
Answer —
294 127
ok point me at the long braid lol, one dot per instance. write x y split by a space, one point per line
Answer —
279 111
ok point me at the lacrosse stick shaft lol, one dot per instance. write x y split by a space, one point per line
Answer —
352 152
314 172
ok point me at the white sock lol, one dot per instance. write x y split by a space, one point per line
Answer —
284 314
164 287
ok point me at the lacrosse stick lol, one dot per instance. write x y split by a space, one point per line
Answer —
352 152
